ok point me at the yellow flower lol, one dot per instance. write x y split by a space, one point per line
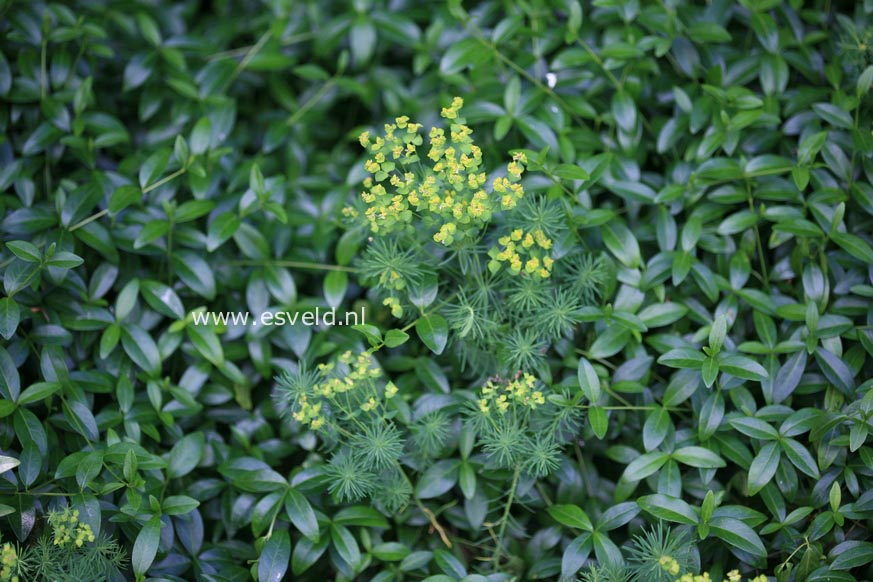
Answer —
528 241
369 405
364 138
671 566
390 390
394 305
532 265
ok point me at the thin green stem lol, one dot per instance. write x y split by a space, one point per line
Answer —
145 190
498 551
760 245
430 514
292 264
310 103
596 58
164 180
477 34
43 68
249 55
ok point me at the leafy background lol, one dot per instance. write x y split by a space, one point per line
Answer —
163 157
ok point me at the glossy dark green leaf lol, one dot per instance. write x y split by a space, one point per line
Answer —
273 560
145 548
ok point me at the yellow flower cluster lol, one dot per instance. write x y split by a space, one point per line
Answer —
393 304
356 378
524 252
68 529
508 188
449 194
519 390
671 566
8 563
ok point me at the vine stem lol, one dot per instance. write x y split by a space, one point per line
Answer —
427 512
145 190
495 559
293 264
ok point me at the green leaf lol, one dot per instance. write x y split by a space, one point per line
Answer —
395 338
306 553
800 457
335 284
645 465
162 299
610 342
683 358
656 428
449 564
123 197
717 334
64 260
598 418
833 115
221 229
438 479
851 554
201 136
206 342
588 380
273 560
738 534
145 548
575 555
854 245
571 172
345 545
571 516
186 455
668 508
764 467
390 551
300 513
708 32
698 457
433 332
179 505
150 233
10 315
742 367
10 380
622 243
464 53
141 348
25 251
8 463
38 392
754 428
836 371
153 167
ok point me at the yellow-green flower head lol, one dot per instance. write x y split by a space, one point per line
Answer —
8 563
452 112
394 305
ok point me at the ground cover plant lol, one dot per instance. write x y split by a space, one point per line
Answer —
614 259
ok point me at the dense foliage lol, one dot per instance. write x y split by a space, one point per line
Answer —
615 259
